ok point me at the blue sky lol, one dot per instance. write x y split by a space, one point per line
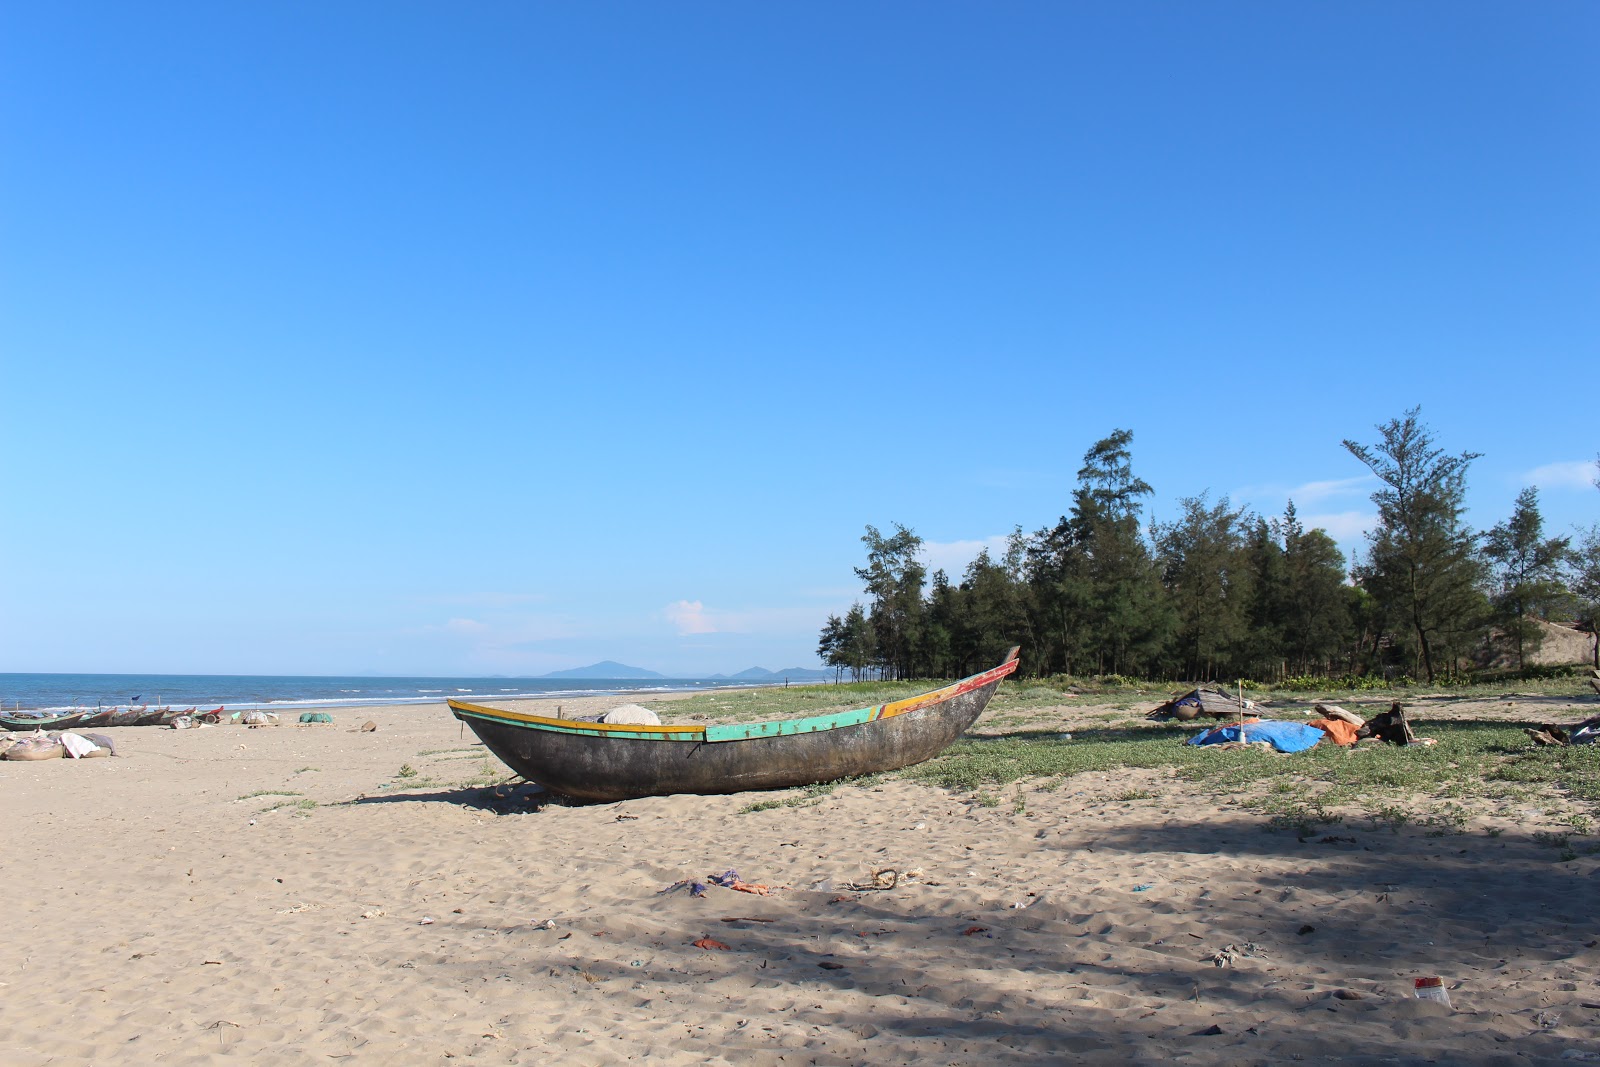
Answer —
427 339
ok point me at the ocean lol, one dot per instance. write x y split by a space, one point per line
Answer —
40 691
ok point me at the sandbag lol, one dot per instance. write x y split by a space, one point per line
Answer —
632 715
32 749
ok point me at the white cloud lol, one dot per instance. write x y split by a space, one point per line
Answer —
1343 526
1309 493
1575 474
952 557
689 617
1312 492
466 626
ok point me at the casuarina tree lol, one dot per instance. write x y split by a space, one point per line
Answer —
1422 564
1583 579
1527 573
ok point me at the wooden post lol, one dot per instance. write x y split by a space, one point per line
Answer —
1241 712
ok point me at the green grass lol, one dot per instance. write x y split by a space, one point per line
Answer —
303 806
1474 760
1016 700
488 773
1480 761
808 797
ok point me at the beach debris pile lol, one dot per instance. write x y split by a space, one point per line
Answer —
883 879
1268 733
1586 732
728 879
1198 702
1343 728
1231 954
55 745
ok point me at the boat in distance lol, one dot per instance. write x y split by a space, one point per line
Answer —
97 718
601 761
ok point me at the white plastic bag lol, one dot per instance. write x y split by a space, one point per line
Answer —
77 747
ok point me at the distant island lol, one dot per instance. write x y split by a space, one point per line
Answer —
604 669
761 674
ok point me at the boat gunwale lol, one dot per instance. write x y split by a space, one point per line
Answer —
876 713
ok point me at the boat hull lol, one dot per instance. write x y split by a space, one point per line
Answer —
23 723
93 720
620 765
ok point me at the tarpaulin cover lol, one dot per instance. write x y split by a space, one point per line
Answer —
1283 736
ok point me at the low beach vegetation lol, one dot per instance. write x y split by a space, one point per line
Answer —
292 802
1488 765
1477 767
1019 700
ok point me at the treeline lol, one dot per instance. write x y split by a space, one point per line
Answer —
1221 593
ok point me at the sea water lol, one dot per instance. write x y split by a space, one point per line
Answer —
60 691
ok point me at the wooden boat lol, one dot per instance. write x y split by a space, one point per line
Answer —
599 761
25 721
94 719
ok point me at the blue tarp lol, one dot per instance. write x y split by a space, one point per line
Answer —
1283 736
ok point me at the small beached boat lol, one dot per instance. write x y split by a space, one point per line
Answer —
23 720
92 718
600 761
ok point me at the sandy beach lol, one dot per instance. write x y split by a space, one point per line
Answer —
312 895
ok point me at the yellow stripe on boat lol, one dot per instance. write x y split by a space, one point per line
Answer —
664 733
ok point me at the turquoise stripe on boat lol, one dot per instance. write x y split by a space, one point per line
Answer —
602 734
745 731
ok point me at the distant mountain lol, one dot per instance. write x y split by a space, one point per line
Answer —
604 669
761 674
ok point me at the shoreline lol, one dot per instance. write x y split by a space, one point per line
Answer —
432 697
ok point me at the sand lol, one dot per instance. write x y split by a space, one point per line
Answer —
160 913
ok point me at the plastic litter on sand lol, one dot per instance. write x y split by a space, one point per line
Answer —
1432 988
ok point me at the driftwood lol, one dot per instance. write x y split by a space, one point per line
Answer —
1390 726
1334 711
1586 732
